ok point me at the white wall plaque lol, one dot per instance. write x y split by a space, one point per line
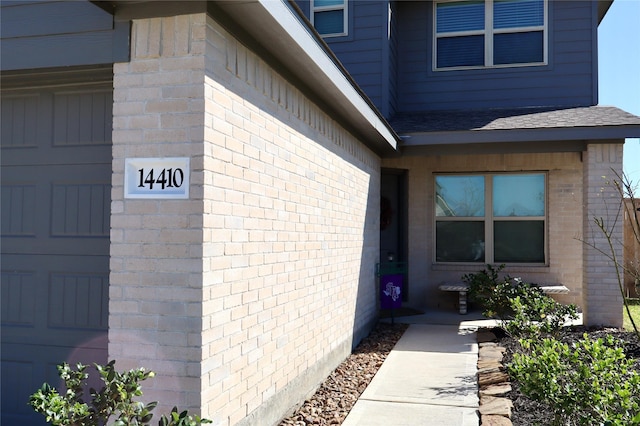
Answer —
163 178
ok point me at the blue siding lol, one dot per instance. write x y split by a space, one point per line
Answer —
364 51
62 18
305 7
568 79
361 52
60 34
393 61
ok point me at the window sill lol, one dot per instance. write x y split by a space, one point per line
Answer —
336 35
492 67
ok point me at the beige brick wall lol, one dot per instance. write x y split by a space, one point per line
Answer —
602 295
564 223
290 235
244 297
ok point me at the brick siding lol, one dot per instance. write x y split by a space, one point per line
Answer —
577 193
245 296
564 198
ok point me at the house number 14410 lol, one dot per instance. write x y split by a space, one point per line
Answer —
165 178
157 178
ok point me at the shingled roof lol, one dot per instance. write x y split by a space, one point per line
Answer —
512 119
541 129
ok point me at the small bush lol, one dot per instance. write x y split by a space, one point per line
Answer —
534 313
523 308
115 399
482 290
591 383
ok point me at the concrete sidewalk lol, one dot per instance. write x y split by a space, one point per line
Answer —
429 378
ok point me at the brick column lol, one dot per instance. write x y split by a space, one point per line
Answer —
602 298
155 297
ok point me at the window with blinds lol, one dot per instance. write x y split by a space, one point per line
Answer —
329 17
488 33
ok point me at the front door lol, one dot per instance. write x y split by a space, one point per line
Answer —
393 219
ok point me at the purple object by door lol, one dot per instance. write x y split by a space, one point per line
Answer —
391 291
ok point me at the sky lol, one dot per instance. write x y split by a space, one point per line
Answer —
619 70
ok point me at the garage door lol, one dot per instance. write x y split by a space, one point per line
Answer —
56 174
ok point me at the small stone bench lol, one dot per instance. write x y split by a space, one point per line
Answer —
463 289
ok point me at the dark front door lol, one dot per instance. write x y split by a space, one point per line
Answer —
393 219
56 195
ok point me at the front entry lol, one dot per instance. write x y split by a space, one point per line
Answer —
56 196
393 219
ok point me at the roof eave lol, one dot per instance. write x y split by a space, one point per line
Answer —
279 31
603 8
573 139
273 29
521 135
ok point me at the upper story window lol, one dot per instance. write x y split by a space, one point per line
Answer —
489 33
329 17
491 218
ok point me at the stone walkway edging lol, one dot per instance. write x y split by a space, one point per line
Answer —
493 382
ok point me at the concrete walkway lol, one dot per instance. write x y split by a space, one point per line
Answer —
429 378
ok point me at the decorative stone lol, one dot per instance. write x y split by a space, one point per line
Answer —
491 353
496 406
487 379
496 390
493 420
488 363
493 382
491 346
491 349
491 369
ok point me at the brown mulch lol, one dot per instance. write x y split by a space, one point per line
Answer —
339 392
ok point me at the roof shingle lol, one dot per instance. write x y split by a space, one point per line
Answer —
512 119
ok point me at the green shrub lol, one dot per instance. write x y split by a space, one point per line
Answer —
482 290
115 399
523 308
533 313
591 383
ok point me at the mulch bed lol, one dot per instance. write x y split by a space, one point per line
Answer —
339 392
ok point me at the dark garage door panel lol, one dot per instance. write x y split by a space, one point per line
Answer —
21 377
54 300
56 195
50 211
57 118
54 309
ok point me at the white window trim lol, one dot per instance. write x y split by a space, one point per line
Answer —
489 32
344 7
489 218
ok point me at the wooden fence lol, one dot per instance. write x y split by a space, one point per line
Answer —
631 248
